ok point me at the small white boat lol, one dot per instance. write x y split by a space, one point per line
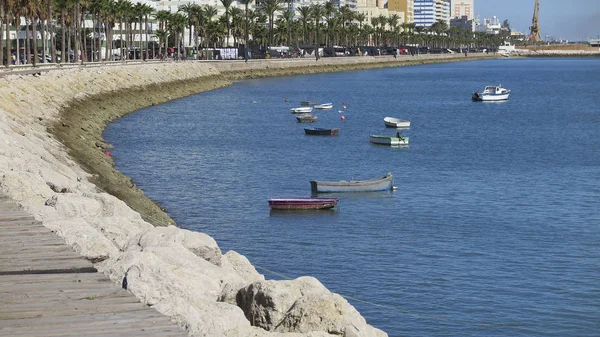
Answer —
392 122
492 93
389 140
324 106
302 110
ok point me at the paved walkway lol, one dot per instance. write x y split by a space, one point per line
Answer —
47 289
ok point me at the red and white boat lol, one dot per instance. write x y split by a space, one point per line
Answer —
302 203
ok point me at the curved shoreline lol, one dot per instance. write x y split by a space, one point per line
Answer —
54 163
74 125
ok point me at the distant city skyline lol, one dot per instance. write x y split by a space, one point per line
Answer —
570 20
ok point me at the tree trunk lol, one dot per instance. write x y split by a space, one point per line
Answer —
27 41
7 42
146 35
84 37
18 25
2 45
35 40
76 33
63 35
44 42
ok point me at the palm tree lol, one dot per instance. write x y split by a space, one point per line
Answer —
227 4
246 3
177 24
318 13
162 36
347 15
5 9
146 11
270 7
188 10
393 22
305 16
288 17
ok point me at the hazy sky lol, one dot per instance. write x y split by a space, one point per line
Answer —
566 19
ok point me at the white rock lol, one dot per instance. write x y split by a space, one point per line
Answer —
266 302
197 243
86 240
204 319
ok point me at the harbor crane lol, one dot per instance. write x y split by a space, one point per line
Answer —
534 30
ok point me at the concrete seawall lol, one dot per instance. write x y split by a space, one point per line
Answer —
55 164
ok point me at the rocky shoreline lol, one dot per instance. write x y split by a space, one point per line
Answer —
55 163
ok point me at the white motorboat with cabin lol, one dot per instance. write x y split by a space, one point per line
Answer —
506 49
492 93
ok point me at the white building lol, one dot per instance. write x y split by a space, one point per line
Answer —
491 26
427 12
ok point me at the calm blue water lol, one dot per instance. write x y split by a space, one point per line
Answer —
497 214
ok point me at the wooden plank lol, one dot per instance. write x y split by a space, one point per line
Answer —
48 289
106 328
94 278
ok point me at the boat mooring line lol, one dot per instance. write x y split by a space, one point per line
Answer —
408 312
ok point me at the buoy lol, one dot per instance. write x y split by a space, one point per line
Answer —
344 107
107 153
342 118
343 103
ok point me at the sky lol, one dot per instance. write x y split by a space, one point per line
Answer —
574 20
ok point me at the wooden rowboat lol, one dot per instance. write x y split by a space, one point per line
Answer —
322 131
302 203
324 106
302 110
306 118
371 185
388 140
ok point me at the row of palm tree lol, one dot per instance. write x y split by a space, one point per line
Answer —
121 24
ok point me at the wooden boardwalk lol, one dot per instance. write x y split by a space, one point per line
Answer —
47 289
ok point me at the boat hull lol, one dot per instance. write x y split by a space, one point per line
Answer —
388 140
391 122
489 98
301 110
302 203
322 132
324 106
342 186
307 118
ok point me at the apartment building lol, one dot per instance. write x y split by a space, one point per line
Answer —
460 8
404 6
427 12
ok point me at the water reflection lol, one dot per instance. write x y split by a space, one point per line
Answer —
303 213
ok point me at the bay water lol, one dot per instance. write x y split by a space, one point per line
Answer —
494 229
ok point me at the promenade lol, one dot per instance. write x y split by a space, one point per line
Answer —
47 289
